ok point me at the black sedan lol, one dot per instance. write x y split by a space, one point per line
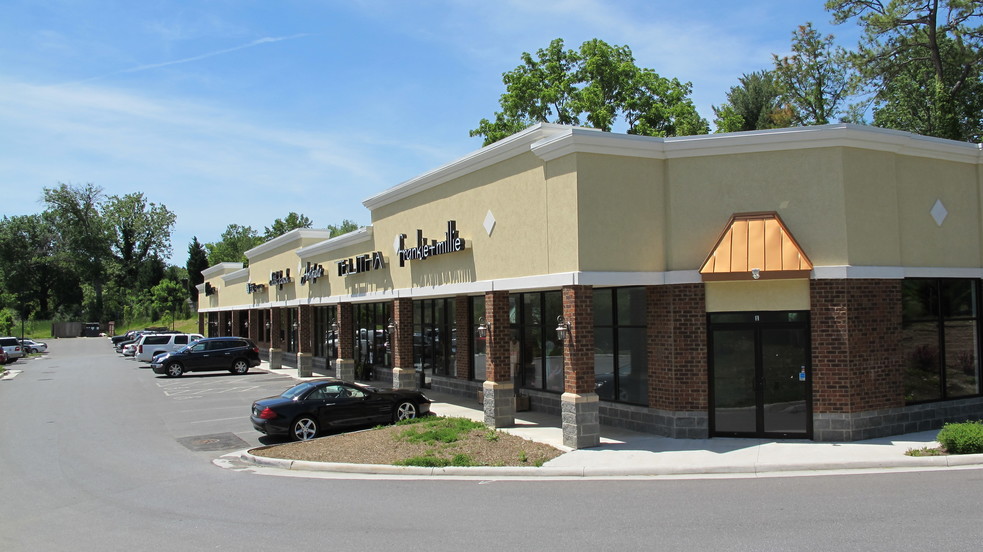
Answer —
305 409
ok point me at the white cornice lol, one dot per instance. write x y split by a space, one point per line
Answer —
361 235
489 155
236 277
288 238
219 269
549 141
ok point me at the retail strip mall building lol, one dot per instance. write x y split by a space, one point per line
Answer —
817 282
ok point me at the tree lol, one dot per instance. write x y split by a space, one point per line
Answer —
922 61
596 84
83 240
345 227
138 232
167 297
29 271
816 79
755 104
236 240
197 261
281 226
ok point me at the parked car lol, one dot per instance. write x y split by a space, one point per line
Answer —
12 347
3 356
235 354
130 349
31 346
307 408
151 345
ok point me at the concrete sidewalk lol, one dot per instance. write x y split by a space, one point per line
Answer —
625 453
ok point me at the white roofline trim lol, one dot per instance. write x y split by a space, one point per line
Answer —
354 237
291 236
489 155
219 269
237 276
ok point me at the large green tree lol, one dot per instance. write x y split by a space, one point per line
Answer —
816 79
138 232
592 86
82 237
290 222
345 227
29 273
232 246
197 261
754 104
921 60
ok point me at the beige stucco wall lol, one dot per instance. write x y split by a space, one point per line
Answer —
757 295
515 192
622 213
805 187
594 212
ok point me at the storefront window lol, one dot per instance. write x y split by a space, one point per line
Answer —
621 355
941 339
288 330
536 353
372 335
478 344
433 336
325 338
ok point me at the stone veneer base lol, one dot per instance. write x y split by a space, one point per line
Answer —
894 421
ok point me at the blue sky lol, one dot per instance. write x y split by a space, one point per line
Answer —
230 111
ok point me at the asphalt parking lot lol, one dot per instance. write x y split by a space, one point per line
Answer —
208 412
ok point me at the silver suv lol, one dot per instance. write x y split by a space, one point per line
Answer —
151 345
12 347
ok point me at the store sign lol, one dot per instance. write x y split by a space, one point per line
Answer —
452 244
255 288
312 273
360 264
209 290
280 277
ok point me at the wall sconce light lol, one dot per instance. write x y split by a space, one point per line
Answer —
755 273
267 324
392 327
294 325
483 327
562 328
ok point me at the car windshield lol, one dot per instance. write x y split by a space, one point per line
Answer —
297 390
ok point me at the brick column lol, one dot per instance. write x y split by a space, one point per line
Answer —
345 364
857 359
462 323
202 318
223 324
499 391
276 344
253 322
305 341
677 348
580 409
404 374
236 322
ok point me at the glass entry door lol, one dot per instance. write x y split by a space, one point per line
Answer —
760 374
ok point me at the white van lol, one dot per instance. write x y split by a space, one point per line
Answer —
153 344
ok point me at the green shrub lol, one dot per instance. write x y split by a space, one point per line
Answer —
964 438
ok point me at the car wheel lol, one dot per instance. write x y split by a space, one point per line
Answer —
303 429
175 369
404 411
240 367
32 351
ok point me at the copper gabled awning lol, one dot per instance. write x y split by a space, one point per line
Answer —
753 246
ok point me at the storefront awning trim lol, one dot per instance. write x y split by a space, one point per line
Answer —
755 246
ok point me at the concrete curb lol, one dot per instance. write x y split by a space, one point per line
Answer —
10 374
904 462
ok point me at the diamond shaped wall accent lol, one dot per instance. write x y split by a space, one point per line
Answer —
939 212
489 222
